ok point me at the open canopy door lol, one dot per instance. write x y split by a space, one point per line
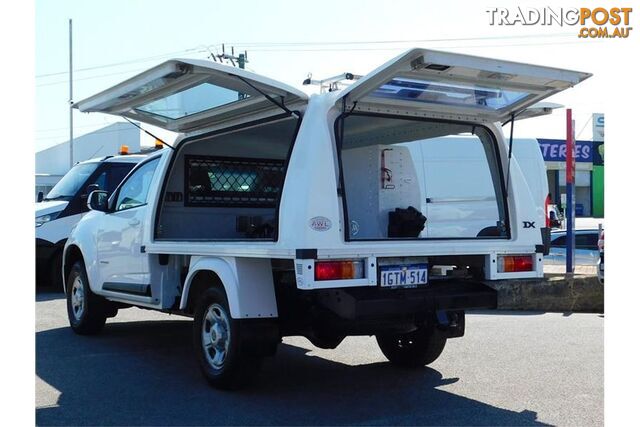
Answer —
466 86
183 95
537 110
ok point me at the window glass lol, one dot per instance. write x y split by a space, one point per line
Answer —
69 185
559 242
448 93
134 191
582 178
587 241
117 172
197 99
101 180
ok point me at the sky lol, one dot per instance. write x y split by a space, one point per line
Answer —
114 40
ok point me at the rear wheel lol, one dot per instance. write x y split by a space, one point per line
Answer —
217 341
87 311
414 349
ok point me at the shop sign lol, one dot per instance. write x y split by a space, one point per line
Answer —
555 150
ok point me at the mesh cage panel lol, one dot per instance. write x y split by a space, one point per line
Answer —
232 181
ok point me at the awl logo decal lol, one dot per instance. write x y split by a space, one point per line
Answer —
320 223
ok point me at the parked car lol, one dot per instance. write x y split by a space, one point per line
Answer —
586 253
62 208
601 258
279 214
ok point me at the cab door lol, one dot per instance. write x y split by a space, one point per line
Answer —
122 261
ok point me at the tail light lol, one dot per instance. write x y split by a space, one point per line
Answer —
514 263
547 214
339 270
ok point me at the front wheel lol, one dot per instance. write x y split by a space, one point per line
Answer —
216 339
414 349
87 311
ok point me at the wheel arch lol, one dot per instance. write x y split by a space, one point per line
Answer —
247 282
70 256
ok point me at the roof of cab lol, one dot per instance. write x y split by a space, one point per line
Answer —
129 158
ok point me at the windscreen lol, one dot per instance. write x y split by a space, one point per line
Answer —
69 185
420 179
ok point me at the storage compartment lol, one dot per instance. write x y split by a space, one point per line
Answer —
397 171
227 186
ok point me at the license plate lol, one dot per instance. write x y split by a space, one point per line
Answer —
406 276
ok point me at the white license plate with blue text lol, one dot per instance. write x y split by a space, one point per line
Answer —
404 275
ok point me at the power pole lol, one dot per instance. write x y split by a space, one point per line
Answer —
70 94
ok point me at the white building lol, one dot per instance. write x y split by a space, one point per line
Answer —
53 162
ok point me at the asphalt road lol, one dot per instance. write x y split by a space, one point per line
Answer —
513 368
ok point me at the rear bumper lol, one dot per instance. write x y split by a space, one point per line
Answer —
373 302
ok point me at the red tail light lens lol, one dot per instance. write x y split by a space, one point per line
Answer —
514 263
339 270
547 214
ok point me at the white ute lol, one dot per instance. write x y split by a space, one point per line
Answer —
66 203
380 209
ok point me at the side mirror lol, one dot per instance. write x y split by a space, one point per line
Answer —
40 196
98 201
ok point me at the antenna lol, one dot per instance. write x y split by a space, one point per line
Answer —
241 59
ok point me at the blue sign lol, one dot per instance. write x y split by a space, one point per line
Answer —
555 150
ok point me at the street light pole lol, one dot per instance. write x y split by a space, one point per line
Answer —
70 95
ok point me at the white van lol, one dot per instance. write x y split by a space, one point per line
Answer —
62 208
338 214
457 189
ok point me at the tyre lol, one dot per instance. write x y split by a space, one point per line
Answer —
324 339
414 349
217 339
87 311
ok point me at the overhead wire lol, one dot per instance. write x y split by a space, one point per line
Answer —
291 47
314 43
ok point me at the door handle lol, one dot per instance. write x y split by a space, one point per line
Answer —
134 222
